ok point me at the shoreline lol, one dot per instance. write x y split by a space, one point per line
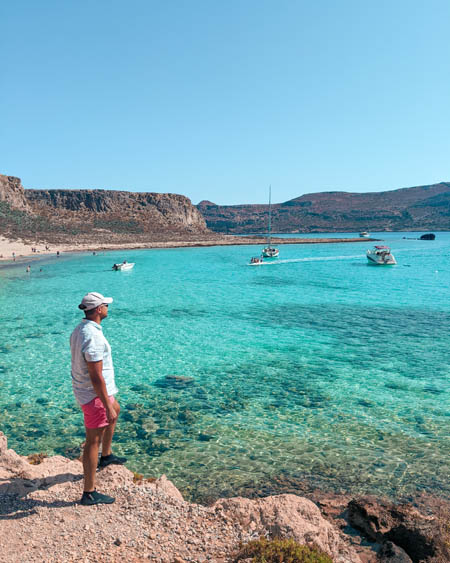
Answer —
311 486
23 252
151 520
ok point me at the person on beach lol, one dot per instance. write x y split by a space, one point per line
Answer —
94 388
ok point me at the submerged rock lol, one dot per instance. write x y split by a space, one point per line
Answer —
134 406
149 425
140 387
203 437
175 381
187 416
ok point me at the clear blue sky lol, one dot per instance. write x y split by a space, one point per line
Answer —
218 99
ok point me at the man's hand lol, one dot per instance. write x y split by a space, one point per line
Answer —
111 414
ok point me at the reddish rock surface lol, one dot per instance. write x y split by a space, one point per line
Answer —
97 215
420 536
41 520
287 516
12 192
111 209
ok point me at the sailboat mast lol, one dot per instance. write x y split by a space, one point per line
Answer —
270 214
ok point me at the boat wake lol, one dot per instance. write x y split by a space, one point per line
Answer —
311 259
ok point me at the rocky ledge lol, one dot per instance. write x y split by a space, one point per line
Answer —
41 520
95 215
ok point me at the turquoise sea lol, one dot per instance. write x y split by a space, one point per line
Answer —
318 367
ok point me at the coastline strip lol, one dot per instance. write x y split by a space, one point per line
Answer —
24 253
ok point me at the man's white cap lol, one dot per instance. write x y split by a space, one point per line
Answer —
92 300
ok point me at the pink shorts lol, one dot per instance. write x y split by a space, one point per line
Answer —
95 413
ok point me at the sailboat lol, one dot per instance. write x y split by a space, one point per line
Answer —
270 251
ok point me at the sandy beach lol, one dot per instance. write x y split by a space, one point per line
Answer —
20 250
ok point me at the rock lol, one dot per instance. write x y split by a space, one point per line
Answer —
167 487
22 478
149 425
179 378
187 416
13 193
289 516
10 462
402 525
143 212
203 437
176 381
74 452
391 553
114 475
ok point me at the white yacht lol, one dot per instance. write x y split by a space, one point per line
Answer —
270 252
381 256
364 234
124 266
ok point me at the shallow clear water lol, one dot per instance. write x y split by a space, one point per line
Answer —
319 366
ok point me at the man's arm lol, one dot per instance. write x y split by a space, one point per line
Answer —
98 383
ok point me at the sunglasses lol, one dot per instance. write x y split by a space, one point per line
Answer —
105 304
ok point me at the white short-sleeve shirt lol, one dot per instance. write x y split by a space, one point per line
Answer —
88 344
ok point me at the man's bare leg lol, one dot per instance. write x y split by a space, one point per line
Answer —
90 456
109 432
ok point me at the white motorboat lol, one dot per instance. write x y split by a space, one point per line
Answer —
123 266
270 251
381 256
256 261
364 234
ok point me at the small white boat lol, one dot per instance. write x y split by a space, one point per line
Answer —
381 256
124 266
364 234
256 261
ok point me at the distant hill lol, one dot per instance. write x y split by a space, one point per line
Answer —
96 215
417 208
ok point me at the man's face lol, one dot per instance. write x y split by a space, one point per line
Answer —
103 309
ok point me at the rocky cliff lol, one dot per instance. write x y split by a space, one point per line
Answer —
95 215
141 212
12 192
417 208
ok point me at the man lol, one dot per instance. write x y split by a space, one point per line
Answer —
94 388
